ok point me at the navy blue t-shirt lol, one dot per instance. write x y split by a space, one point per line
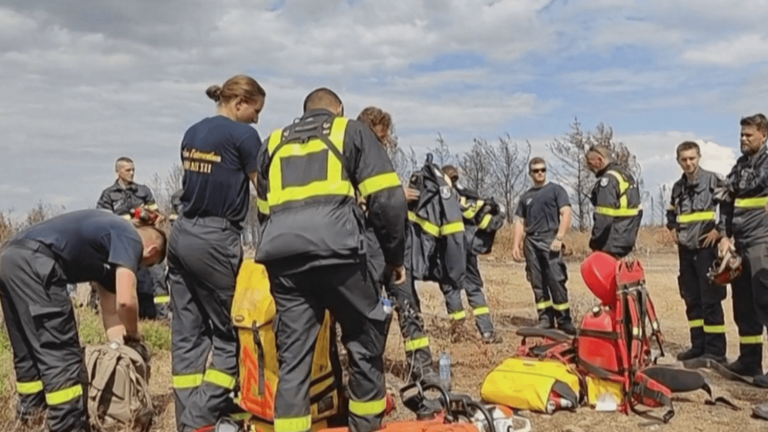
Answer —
217 154
540 207
90 244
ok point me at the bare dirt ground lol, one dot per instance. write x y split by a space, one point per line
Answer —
511 303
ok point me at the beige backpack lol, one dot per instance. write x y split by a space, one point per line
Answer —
118 390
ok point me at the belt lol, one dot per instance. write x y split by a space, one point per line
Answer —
34 246
214 221
541 233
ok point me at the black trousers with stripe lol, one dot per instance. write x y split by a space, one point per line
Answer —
750 304
40 319
204 258
546 271
473 286
301 299
703 301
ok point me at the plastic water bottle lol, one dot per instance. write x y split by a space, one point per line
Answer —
387 304
445 370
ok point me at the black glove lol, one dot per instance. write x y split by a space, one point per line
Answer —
139 345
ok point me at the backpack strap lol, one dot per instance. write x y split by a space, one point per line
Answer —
651 393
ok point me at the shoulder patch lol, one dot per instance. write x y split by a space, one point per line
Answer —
528 201
604 182
445 192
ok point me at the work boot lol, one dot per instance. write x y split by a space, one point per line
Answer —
743 368
761 411
761 381
492 337
567 328
544 323
690 353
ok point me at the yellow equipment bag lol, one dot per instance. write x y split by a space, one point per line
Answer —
532 384
610 392
253 314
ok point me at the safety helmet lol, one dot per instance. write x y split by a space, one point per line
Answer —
599 274
725 268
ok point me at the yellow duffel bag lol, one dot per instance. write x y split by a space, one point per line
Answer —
531 384
253 314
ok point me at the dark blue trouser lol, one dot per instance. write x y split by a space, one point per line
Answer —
204 258
40 319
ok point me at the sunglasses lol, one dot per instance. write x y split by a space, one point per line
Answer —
538 170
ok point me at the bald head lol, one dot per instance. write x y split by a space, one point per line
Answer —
324 98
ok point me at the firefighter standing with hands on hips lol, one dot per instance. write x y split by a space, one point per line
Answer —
544 214
313 246
745 218
616 198
691 218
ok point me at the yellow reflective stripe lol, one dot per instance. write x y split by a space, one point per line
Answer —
748 203
378 183
162 299
452 228
63 396
417 343
623 210
696 323
485 222
481 310
220 379
262 206
560 307
371 408
472 210
152 207
458 315
751 340
696 217
543 305
426 225
334 185
463 200
714 329
28 388
293 424
614 212
187 381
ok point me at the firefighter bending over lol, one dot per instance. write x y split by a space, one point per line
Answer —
312 244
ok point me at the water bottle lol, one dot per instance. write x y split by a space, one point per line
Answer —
445 370
387 304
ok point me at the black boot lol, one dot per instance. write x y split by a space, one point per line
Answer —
697 345
750 361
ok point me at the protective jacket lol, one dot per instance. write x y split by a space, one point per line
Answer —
692 208
743 210
483 218
122 201
439 249
308 174
618 212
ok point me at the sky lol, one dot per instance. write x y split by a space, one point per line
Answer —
82 84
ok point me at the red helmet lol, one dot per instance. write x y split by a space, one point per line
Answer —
599 274
726 268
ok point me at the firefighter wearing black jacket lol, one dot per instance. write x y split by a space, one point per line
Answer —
312 244
418 355
616 198
743 216
691 218
473 281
